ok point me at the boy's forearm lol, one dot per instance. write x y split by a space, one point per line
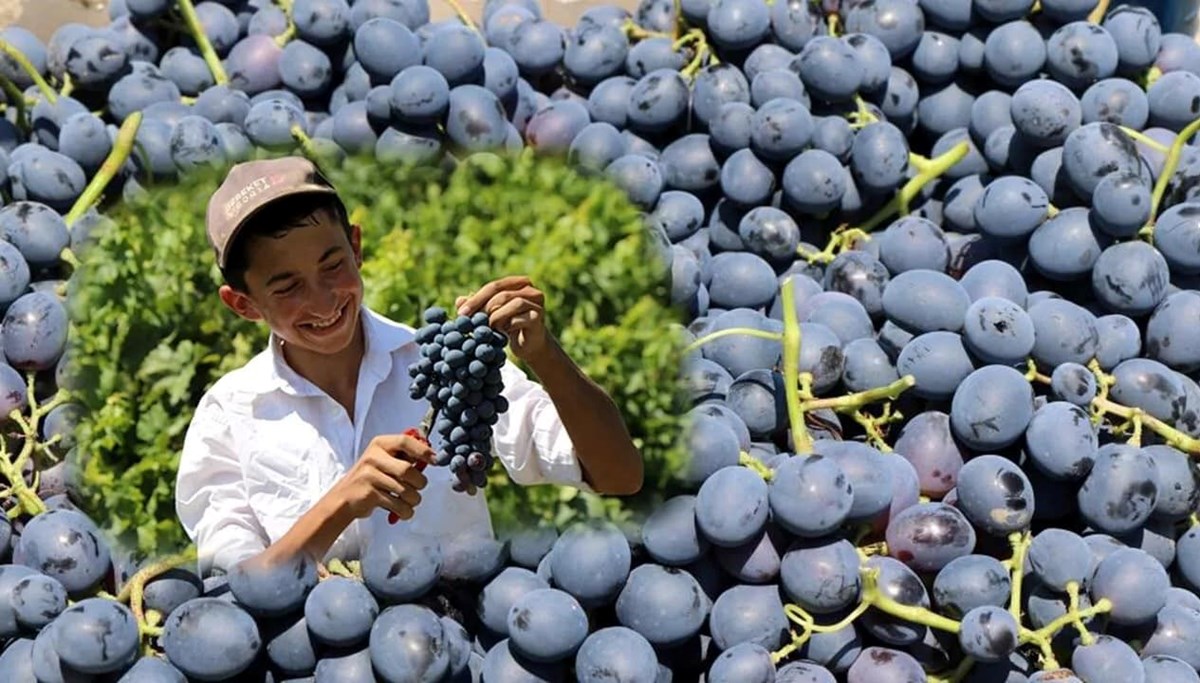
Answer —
612 464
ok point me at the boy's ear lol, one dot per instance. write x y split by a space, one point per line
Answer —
239 302
356 243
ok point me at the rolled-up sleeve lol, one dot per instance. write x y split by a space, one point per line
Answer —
530 439
210 497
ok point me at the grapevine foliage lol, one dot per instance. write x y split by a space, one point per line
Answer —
150 335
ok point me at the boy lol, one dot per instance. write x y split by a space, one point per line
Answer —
302 449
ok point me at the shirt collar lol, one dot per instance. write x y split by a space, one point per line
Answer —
382 338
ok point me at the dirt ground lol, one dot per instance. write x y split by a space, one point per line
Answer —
43 16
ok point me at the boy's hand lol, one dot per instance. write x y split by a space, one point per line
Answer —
416 434
388 475
514 307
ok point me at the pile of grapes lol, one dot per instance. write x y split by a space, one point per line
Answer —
939 259
459 374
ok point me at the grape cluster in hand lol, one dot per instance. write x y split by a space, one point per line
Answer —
459 374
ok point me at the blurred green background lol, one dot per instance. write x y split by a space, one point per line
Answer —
150 334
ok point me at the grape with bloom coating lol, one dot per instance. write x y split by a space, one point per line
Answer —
989 633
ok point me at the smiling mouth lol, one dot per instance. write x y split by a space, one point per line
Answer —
326 324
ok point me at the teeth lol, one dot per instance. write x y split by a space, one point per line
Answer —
328 323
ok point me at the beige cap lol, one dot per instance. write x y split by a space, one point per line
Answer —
250 186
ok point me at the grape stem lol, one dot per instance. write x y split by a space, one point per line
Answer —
290 32
1172 436
1032 374
338 568
28 502
792 338
1164 178
134 591
844 237
1152 74
732 331
1020 545
206 49
851 402
870 550
704 55
919 615
1097 15
27 66
928 170
1044 634
808 627
68 86
306 144
69 257
871 596
122 148
1136 419
795 612
30 426
909 613
462 14
1135 423
1085 636
680 37
1104 383
874 426
689 37
153 629
861 117
1146 140
635 32
747 460
798 385
15 96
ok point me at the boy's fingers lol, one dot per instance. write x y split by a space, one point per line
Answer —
503 317
485 293
415 478
395 444
397 508
410 497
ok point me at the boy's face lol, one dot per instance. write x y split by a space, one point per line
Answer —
305 284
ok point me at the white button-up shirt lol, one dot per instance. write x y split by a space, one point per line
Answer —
266 444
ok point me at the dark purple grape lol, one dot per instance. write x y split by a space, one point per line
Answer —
928 536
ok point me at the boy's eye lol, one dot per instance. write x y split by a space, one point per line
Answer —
286 290
335 265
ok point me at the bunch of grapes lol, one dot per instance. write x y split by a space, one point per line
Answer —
459 374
